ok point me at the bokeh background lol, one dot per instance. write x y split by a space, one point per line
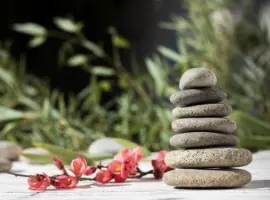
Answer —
72 72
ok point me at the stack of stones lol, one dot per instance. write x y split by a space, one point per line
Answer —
206 147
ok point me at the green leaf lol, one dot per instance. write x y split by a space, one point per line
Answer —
30 29
39 158
68 154
171 54
157 74
102 71
8 114
248 122
68 25
37 41
120 42
95 49
6 77
77 60
129 144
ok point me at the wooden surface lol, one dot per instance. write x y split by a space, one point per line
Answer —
12 188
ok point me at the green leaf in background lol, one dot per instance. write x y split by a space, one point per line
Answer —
37 41
102 71
129 144
30 29
68 154
77 60
68 25
6 77
95 49
39 158
248 122
169 53
157 74
120 42
7 114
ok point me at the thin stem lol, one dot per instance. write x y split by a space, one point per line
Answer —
86 179
141 173
17 175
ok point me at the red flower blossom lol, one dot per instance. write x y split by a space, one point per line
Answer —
65 181
79 167
58 163
129 161
119 179
159 165
104 176
39 182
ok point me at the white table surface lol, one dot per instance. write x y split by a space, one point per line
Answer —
14 188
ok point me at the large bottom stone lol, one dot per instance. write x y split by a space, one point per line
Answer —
5 165
216 178
208 158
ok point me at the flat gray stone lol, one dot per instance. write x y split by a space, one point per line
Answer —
208 158
5 165
10 151
218 178
104 146
204 110
197 78
221 125
202 139
197 96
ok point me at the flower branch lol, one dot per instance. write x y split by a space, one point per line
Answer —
122 167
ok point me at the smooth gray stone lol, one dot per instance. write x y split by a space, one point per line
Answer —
197 96
214 178
197 78
9 150
204 110
202 139
105 146
5 165
208 158
221 125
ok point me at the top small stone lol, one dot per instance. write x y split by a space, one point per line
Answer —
197 78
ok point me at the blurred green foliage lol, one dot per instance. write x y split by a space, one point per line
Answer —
210 36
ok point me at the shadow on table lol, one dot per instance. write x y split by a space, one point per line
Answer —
256 184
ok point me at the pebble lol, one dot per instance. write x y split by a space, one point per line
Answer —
222 125
202 139
104 146
9 150
204 110
202 178
197 96
197 78
210 158
5 165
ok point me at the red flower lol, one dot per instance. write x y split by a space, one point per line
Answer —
104 176
119 169
119 179
58 163
79 167
39 182
159 165
65 181
129 161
